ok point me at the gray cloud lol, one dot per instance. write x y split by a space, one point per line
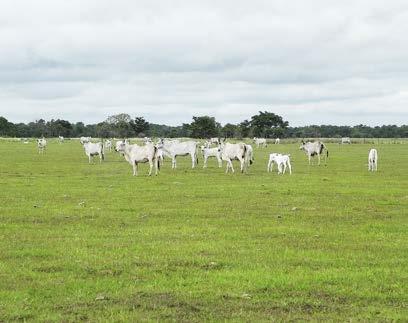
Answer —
320 62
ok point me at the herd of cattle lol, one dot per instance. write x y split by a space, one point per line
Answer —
155 152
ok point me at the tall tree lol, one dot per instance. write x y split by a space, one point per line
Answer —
268 124
140 126
204 127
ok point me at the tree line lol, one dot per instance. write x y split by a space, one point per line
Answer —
264 124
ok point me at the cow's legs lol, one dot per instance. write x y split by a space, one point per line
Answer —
151 167
205 162
290 168
134 169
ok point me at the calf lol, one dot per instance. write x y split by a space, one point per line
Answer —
211 152
280 160
314 148
277 141
372 160
345 140
94 149
60 139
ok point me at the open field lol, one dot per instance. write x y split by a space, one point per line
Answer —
91 242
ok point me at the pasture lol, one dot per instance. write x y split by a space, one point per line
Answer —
93 243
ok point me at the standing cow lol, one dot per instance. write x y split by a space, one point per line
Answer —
315 148
230 152
41 145
373 160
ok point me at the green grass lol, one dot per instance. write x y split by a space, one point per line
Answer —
91 242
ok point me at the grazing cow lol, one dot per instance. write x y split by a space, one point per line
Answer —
41 145
135 154
230 152
277 141
211 152
146 140
84 140
345 140
94 149
372 160
174 148
60 139
314 148
260 142
280 160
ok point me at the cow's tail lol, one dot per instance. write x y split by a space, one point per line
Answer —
156 157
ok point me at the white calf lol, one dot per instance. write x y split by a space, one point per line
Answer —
230 152
41 144
277 141
211 152
314 148
94 149
260 142
136 154
372 160
173 149
60 139
280 160
345 140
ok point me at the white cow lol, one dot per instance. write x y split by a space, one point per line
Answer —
120 146
173 148
41 144
277 141
280 160
230 152
211 152
373 160
60 139
345 140
94 149
314 148
108 145
214 140
136 154
84 140
260 142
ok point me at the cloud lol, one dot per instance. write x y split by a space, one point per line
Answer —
320 62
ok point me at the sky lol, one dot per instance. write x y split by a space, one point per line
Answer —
312 62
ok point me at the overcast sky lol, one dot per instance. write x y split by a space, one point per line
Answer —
313 62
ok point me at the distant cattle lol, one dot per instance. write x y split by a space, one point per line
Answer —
281 161
345 140
215 141
107 145
41 145
94 149
277 141
230 152
60 139
373 160
84 140
314 149
260 142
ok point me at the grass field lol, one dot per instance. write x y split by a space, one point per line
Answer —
92 243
